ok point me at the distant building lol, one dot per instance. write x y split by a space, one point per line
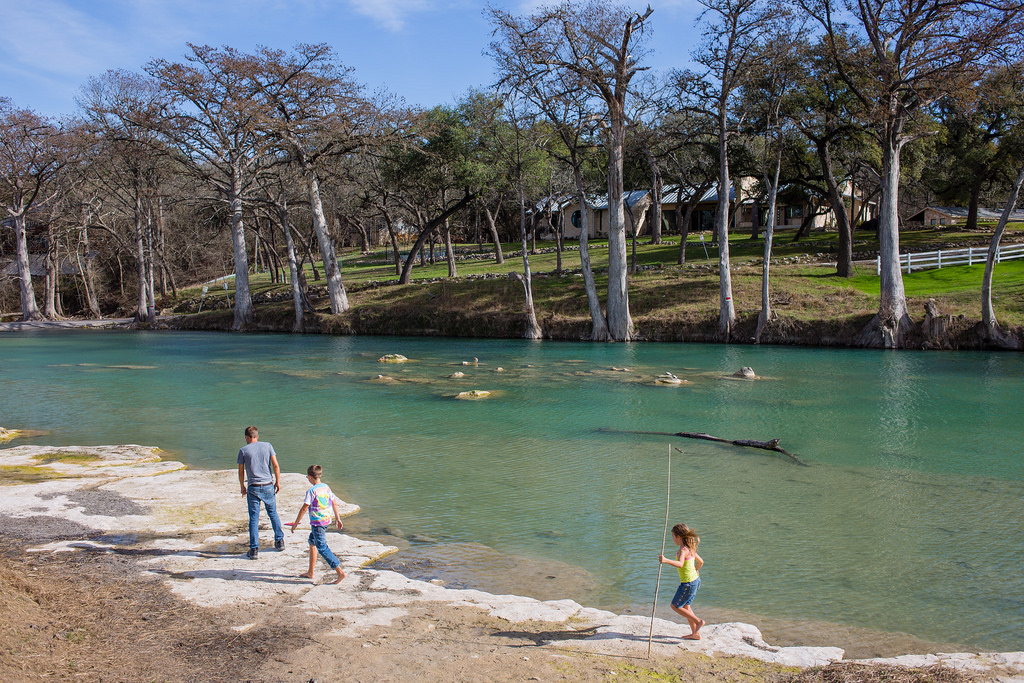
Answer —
953 215
567 212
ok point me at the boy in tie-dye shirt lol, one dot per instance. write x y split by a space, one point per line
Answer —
319 501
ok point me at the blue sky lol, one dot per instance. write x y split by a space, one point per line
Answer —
426 51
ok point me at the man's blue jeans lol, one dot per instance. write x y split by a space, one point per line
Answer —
254 496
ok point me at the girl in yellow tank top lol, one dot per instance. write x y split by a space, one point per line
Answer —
688 562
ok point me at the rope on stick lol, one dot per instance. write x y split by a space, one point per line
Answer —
664 537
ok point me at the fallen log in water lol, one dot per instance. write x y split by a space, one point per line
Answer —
772 445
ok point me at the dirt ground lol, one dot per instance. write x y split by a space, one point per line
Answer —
94 616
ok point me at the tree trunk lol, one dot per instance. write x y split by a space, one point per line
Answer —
767 314
755 220
162 268
889 328
632 242
85 269
533 330
140 264
620 324
427 232
492 227
988 315
335 287
598 322
449 252
364 235
558 247
50 279
844 259
657 184
243 298
683 225
972 205
727 311
150 284
293 270
29 307
394 241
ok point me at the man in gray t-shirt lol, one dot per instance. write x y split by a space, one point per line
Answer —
257 462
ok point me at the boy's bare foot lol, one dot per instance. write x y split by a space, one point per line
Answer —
341 575
700 625
692 636
306 575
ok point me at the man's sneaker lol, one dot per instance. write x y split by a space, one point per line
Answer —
279 545
253 553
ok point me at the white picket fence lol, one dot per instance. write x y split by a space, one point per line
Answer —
953 257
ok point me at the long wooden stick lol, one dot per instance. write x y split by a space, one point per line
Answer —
664 537
772 445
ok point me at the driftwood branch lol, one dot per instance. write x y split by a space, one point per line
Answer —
772 445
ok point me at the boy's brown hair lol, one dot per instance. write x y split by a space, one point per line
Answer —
314 471
251 431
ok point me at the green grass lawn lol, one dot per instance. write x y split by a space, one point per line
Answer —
661 288
1008 275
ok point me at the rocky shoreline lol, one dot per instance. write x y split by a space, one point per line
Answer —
186 528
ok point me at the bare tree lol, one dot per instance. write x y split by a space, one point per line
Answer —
599 45
768 94
317 110
897 57
733 30
31 154
524 148
988 316
122 110
216 106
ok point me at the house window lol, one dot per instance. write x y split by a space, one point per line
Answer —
934 222
576 219
794 212
942 221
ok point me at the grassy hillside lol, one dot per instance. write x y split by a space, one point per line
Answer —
667 301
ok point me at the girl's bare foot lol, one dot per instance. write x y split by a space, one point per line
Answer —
341 575
692 636
306 575
700 625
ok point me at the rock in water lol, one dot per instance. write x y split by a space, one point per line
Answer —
473 395
392 358
745 371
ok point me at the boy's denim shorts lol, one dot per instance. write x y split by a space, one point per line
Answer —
686 593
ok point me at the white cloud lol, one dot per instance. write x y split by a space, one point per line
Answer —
53 37
391 14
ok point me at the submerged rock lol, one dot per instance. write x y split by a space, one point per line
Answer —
457 375
745 371
473 395
669 378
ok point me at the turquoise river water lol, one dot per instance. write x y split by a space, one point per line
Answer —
907 519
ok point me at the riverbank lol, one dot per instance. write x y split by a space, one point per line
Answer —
667 303
163 546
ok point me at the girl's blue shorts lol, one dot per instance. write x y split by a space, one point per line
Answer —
686 593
